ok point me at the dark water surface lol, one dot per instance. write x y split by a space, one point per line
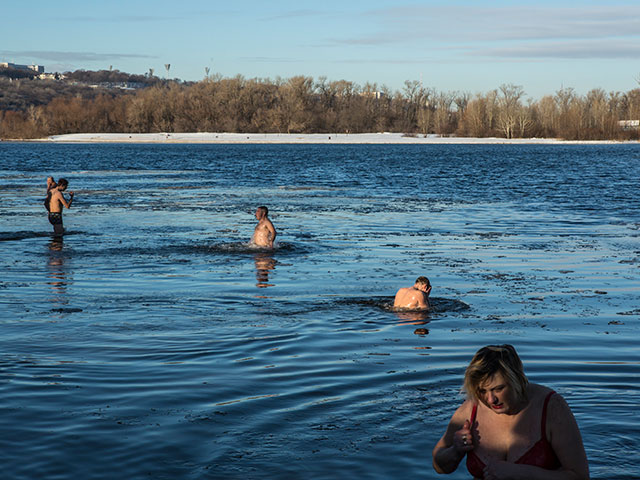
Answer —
153 342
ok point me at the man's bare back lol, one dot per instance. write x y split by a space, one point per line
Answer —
264 234
415 297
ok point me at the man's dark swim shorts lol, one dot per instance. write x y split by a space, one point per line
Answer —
55 218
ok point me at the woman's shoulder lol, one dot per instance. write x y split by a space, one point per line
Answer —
556 404
539 392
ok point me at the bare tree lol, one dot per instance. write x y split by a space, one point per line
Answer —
524 120
473 121
292 114
426 108
564 97
461 100
412 94
597 106
442 113
631 105
547 115
509 104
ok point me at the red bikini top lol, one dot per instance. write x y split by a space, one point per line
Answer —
541 454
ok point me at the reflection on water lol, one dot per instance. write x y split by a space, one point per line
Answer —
412 317
265 264
57 272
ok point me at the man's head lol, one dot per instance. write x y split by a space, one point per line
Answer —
63 183
261 212
422 283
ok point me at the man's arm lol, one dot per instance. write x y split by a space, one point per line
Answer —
272 232
421 300
64 200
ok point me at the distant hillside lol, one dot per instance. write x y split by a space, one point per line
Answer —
21 89
16 74
19 95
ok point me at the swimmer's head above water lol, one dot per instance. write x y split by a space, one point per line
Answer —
262 212
423 282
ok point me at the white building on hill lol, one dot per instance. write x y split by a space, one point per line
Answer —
15 66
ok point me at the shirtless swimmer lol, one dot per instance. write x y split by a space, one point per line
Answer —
56 204
264 234
415 297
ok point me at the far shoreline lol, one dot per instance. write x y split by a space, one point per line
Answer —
308 138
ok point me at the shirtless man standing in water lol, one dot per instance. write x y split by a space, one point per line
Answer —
416 297
264 233
56 203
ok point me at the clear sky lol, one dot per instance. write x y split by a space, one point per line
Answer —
472 46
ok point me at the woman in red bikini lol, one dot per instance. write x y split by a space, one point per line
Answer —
509 428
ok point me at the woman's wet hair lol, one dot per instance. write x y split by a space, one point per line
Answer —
423 281
490 360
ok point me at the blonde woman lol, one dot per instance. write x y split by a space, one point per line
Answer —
509 428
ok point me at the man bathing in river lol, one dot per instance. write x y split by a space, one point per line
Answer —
264 233
415 297
56 202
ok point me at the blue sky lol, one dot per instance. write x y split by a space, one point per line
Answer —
472 46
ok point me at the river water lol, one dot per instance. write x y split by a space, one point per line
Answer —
154 342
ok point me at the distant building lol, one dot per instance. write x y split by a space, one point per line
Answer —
629 124
15 66
51 76
376 95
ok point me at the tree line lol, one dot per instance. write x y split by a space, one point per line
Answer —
111 76
303 105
